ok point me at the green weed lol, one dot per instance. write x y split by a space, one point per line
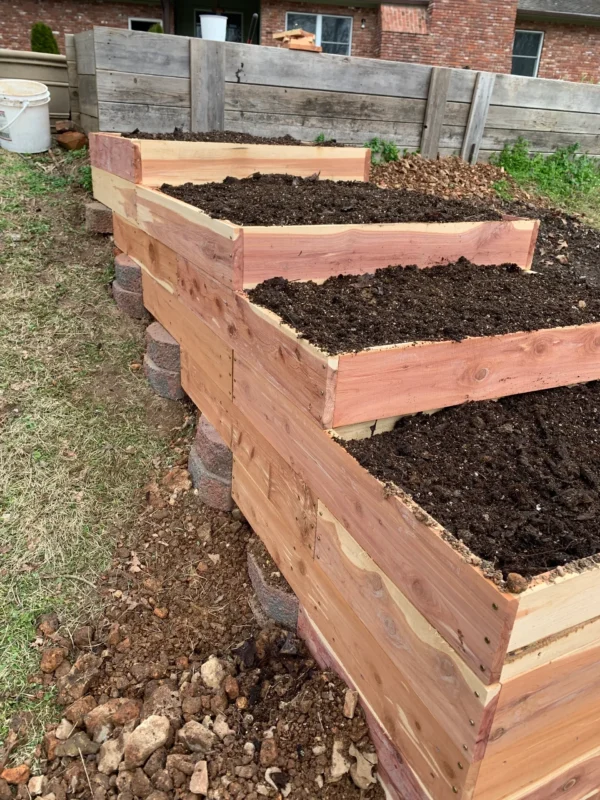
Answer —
382 150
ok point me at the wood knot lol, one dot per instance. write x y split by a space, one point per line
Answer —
481 374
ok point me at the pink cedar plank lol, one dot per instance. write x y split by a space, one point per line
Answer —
422 376
578 781
315 252
431 574
113 153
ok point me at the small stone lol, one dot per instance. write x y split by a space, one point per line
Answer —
164 702
180 763
48 624
64 730
221 728
5 792
290 646
114 636
268 752
111 755
361 772
214 557
156 762
78 710
83 636
582 304
162 780
191 705
516 583
250 749
340 765
51 659
197 737
231 687
62 670
36 785
213 672
157 795
79 742
161 613
199 779
117 712
80 677
350 701
16 775
50 744
150 734
140 783
241 703
278 780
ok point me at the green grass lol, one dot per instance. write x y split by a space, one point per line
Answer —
75 441
569 178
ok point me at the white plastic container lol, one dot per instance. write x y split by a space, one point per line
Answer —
213 27
24 116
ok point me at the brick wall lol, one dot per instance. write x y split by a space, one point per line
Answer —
569 52
365 41
64 16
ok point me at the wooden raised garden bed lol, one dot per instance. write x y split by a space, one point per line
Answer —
472 692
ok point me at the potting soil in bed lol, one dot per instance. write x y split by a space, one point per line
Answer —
518 480
407 304
227 137
288 200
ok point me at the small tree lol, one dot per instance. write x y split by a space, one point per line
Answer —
42 39
156 28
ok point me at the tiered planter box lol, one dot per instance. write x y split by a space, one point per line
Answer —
472 692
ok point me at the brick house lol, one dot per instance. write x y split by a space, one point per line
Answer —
545 38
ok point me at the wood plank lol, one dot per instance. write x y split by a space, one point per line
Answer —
316 252
115 154
577 781
70 51
383 382
115 192
88 97
131 87
325 72
213 245
545 609
157 259
207 71
545 720
537 119
405 715
482 93
85 52
214 404
520 92
435 111
89 124
299 370
121 50
425 568
540 141
125 117
281 486
201 162
462 704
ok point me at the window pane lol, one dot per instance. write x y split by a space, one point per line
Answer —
336 49
336 29
524 66
308 22
526 43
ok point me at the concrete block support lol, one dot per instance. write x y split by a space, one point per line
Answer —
210 465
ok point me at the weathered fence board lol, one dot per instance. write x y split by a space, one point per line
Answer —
132 51
207 73
131 87
484 86
435 111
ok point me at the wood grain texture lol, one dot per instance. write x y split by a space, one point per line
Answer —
405 715
115 154
421 376
545 720
125 117
115 192
85 53
300 371
460 701
520 92
202 162
155 257
435 111
482 93
316 252
577 781
214 246
549 608
216 406
413 555
121 50
88 96
207 75
131 87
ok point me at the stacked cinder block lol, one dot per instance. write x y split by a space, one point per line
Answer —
162 363
127 287
210 465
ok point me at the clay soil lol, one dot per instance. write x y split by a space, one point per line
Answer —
517 480
228 137
288 200
406 304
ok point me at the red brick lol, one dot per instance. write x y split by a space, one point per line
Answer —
128 274
162 348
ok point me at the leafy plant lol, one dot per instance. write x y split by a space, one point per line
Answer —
320 138
563 175
502 189
382 150
156 28
42 39
84 177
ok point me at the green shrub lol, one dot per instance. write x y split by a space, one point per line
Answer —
42 39
563 175
320 138
156 28
382 150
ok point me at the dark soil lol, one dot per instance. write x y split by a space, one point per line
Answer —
288 200
231 137
406 304
517 480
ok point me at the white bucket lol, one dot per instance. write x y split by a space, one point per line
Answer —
24 116
213 27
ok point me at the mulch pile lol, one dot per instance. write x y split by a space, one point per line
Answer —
231 137
407 304
288 200
177 692
517 480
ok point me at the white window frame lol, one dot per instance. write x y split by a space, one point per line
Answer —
319 26
152 20
539 52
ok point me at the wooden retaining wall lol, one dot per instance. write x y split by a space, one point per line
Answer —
129 80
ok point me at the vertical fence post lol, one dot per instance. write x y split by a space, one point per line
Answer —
480 104
435 111
73 77
207 85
